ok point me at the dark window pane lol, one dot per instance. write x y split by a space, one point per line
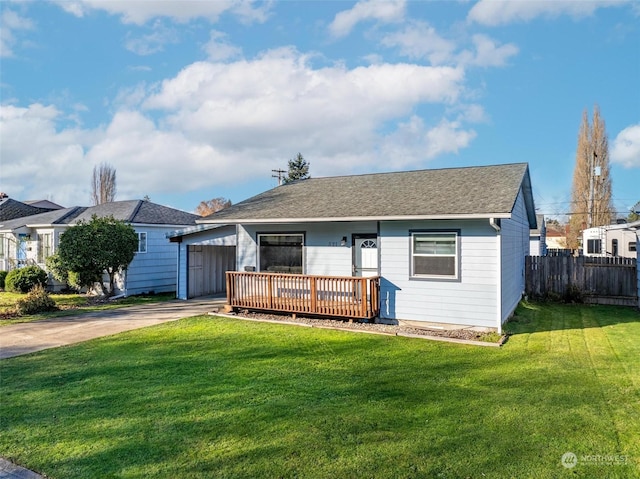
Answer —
281 253
434 265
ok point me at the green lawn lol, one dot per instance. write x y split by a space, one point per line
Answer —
210 397
70 304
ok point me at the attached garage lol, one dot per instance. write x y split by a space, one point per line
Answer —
205 254
207 266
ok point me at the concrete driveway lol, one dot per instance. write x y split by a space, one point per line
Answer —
24 338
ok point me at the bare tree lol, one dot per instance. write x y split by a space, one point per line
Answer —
103 184
591 202
206 208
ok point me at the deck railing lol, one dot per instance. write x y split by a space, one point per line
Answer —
336 296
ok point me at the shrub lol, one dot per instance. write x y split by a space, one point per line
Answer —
22 280
36 301
3 275
56 268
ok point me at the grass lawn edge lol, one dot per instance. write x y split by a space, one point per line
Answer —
498 344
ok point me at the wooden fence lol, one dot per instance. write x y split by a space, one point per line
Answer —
596 280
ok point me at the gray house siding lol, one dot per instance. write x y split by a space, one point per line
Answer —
323 253
470 299
514 247
154 270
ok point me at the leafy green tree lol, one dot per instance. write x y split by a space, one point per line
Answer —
103 245
298 169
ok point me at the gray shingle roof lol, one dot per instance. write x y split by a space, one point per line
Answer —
11 209
141 212
49 218
132 211
452 192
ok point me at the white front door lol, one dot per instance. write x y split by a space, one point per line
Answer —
366 256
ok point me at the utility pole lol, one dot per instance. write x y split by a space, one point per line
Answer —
278 174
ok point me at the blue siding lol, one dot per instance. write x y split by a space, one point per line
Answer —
469 300
155 270
514 248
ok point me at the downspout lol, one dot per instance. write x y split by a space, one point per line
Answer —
496 226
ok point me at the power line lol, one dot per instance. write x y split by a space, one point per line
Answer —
278 174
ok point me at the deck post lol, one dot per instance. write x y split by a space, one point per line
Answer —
314 294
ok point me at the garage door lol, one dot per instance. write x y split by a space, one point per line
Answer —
207 268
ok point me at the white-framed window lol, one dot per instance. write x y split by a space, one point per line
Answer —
281 252
45 246
632 246
434 254
2 245
142 242
594 246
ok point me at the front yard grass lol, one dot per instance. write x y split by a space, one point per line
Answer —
213 397
71 304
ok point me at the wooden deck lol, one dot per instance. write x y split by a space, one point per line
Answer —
335 296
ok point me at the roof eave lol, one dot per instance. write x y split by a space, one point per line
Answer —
474 216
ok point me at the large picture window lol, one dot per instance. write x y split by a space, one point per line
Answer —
280 253
434 254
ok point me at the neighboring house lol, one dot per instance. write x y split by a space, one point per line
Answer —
49 205
11 209
556 238
30 240
619 240
449 245
538 238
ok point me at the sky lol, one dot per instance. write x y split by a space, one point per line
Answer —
193 100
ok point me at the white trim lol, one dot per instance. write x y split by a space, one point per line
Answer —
357 218
455 255
499 284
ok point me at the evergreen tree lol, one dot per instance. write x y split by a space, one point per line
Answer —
591 202
298 169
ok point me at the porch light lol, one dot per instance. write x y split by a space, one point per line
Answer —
343 241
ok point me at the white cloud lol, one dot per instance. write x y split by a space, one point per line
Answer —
502 12
10 24
626 147
31 147
419 40
216 123
413 142
218 47
139 12
153 42
487 52
279 98
383 11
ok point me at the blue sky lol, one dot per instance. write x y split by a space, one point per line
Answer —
195 100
